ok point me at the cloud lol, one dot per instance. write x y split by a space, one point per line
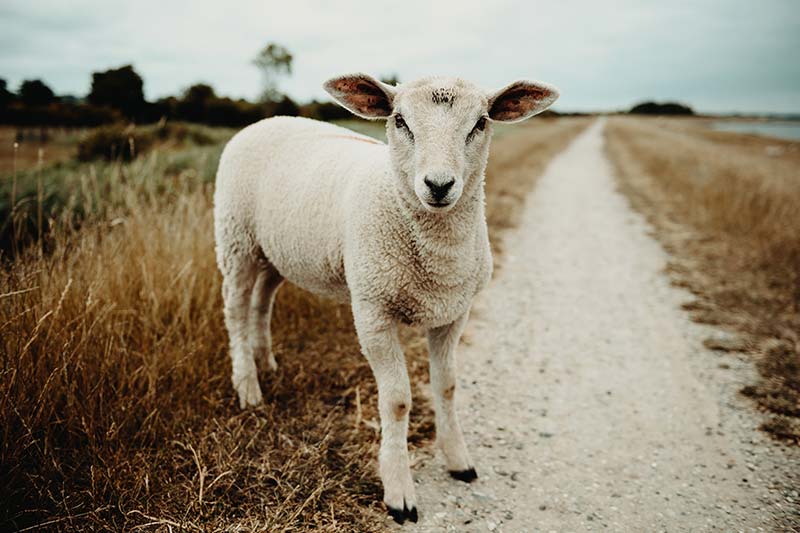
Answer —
717 55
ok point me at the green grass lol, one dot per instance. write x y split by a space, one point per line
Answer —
374 129
72 191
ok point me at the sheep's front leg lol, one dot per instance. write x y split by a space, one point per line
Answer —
381 346
442 344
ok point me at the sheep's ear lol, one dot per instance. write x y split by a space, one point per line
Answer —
363 95
521 100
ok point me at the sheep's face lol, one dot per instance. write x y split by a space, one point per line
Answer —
438 135
439 128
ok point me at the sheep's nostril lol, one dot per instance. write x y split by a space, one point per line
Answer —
439 190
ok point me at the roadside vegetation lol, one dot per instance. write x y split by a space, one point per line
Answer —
116 409
726 206
88 177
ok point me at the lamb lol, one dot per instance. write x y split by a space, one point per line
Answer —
398 230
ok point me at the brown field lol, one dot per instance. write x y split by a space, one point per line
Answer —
116 408
56 145
726 206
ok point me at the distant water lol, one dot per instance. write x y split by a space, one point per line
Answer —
783 130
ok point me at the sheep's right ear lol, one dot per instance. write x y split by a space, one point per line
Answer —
361 94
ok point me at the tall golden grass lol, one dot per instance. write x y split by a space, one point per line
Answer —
116 409
726 206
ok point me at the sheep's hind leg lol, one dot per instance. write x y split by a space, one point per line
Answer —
381 346
265 288
239 280
442 344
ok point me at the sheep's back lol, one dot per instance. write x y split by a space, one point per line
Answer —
286 179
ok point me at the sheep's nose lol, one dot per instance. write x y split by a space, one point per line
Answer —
440 187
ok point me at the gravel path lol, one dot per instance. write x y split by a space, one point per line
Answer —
586 397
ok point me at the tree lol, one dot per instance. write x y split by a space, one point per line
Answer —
232 113
6 96
666 108
120 89
391 79
199 92
285 107
192 106
273 61
34 93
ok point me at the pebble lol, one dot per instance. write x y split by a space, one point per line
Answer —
722 341
480 496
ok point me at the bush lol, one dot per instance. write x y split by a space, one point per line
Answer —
231 113
180 133
284 107
326 111
655 108
114 142
58 114
126 142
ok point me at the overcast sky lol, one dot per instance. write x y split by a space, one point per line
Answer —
717 55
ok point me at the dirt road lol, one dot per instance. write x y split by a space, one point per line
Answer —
586 397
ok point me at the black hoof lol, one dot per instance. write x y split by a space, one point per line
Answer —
396 514
467 476
400 515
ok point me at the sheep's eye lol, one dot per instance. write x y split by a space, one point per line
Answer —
479 126
400 124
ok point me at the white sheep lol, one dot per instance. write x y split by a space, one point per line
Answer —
398 230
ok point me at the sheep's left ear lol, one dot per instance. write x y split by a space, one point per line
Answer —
363 95
521 100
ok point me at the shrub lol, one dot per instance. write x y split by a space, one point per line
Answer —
326 111
126 142
232 113
666 108
116 141
284 107
58 114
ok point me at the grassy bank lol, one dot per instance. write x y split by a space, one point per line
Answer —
117 409
726 206
61 190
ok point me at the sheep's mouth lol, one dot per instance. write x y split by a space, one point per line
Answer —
438 207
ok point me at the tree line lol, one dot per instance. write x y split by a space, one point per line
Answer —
117 95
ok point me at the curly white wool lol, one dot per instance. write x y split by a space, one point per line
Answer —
396 229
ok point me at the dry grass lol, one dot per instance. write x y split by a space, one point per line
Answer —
116 409
726 206
65 192
56 143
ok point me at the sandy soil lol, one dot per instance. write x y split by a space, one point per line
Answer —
587 399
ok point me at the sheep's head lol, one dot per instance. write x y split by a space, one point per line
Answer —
439 128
